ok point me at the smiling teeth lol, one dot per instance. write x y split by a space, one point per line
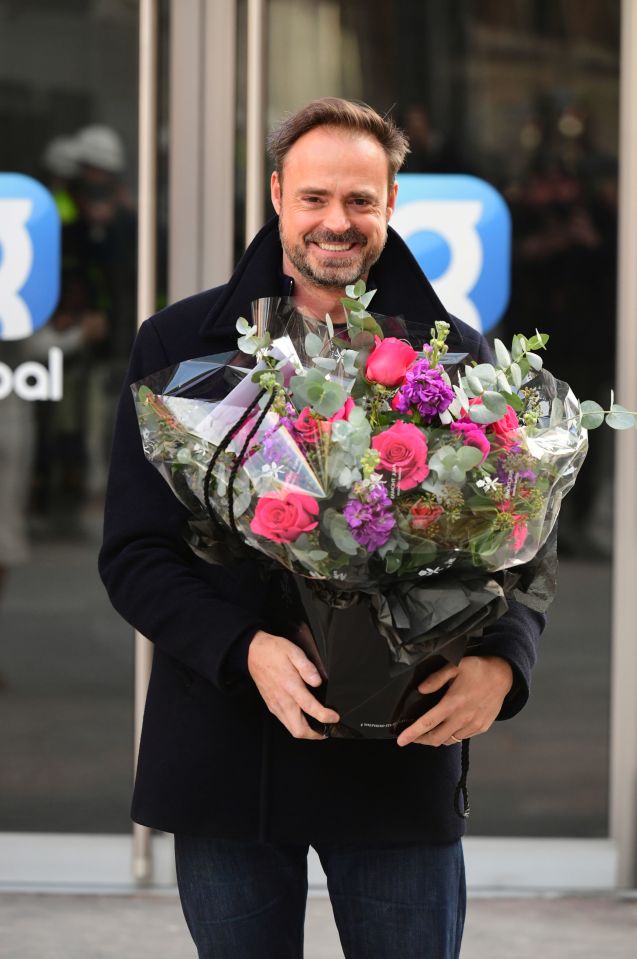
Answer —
335 247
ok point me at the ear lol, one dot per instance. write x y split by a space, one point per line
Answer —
391 200
275 191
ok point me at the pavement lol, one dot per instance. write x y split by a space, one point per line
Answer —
149 925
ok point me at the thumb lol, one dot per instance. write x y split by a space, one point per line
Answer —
438 679
308 671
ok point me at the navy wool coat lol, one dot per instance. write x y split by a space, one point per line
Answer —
213 761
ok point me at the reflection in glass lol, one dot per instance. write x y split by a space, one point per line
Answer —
68 111
525 96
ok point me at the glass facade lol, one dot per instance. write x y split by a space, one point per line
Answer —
522 94
68 114
525 96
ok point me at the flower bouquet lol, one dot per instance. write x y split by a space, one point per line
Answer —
402 488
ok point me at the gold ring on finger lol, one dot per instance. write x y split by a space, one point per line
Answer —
454 739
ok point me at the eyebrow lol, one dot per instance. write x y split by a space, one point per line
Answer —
318 191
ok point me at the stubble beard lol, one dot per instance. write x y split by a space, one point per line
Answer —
334 274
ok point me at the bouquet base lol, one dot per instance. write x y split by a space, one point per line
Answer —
375 696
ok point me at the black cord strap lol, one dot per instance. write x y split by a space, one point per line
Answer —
223 446
461 789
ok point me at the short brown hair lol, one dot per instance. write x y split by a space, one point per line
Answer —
347 114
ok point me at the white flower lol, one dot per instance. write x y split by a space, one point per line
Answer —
489 484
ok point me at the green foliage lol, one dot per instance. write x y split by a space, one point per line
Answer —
322 395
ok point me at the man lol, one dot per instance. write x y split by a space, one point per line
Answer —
228 761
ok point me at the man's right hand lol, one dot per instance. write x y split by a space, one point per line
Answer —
280 670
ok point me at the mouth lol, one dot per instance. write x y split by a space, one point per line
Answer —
336 247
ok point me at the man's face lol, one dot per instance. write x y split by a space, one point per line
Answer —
334 203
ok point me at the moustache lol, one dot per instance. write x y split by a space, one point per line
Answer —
349 236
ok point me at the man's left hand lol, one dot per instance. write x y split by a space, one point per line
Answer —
477 687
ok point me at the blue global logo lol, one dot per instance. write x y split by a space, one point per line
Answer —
29 256
459 230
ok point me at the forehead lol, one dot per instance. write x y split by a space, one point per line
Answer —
331 156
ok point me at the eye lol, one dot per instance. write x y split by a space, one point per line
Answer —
361 201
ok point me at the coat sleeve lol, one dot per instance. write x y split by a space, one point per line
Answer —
195 612
516 635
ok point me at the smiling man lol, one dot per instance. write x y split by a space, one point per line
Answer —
228 761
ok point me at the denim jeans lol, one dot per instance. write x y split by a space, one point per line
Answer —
245 900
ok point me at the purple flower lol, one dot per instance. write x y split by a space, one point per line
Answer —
425 389
370 516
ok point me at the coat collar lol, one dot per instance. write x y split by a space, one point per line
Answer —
403 289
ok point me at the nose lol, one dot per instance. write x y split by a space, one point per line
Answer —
336 218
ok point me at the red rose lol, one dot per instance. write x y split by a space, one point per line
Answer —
422 516
403 451
389 361
306 426
506 425
282 517
345 410
518 536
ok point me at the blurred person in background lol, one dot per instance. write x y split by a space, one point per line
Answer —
94 322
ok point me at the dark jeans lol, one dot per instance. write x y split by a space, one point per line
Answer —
245 900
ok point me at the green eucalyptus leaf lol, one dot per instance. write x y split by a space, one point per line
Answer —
340 533
592 414
248 344
535 362
620 418
486 374
350 290
367 298
316 555
513 401
244 327
483 415
359 288
474 384
313 344
325 363
517 350
502 382
502 354
495 403
393 562
363 341
516 375
457 474
354 306
468 457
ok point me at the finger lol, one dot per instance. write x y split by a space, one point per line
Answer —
442 734
427 722
421 727
308 671
310 705
438 679
296 723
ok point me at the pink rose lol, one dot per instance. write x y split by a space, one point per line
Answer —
472 435
403 451
505 426
282 517
389 361
306 426
345 410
